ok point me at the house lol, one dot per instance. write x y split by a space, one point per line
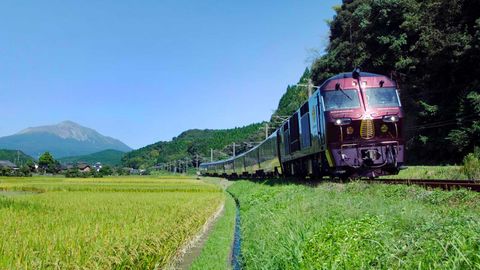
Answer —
7 164
84 168
98 166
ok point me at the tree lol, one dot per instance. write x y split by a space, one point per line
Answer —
47 163
106 170
25 171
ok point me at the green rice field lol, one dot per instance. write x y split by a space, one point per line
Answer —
107 223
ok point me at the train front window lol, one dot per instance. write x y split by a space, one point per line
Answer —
341 100
382 97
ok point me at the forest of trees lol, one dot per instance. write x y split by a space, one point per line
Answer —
430 47
196 144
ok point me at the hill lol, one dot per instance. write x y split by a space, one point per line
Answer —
196 143
106 157
15 156
62 140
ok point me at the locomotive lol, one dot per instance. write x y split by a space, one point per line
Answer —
350 127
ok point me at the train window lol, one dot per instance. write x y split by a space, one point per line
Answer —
286 142
382 97
294 133
340 100
304 109
305 136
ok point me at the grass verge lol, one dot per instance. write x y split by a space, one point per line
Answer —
431 172
357 226
216 252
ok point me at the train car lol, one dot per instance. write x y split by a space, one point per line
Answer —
363 118
351 126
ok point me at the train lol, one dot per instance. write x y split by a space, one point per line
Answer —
350 127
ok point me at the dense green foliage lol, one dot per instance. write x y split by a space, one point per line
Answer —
17 157
106 157
24 171
432 48
108 223
291 101
47 163
195 143
357 226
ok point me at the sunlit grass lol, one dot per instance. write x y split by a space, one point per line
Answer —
357 226
216 252
430 172
101 223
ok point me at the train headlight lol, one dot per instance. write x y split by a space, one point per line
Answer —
342 121
350 130
384 128
390 118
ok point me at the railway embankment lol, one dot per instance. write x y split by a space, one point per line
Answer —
357 225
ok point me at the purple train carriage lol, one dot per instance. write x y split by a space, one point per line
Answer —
351 127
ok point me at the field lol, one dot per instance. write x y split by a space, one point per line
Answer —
357 226
143 223
109 223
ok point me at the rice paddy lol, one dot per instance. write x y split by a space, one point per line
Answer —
108 223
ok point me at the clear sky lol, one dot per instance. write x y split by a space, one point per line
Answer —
144 71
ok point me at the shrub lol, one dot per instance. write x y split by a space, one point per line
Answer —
471 166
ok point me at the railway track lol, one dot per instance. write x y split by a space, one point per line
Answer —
473 185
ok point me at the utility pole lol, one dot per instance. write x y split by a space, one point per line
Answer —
266 131
234 149
310 87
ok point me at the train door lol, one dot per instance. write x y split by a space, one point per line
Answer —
320 110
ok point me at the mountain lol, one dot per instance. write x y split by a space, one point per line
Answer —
15 156
106 157
196 144
62 140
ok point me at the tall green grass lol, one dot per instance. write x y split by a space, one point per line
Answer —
109 223
431 172
216 252
357 226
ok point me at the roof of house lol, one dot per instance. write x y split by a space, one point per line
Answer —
83 166
7 163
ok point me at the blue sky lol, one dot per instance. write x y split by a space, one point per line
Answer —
144 71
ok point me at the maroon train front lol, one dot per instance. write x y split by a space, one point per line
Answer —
351 126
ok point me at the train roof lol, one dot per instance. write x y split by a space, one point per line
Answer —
371 77
345 75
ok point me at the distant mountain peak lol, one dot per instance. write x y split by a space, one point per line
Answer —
65 130
66 138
